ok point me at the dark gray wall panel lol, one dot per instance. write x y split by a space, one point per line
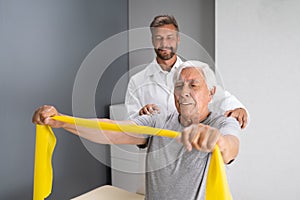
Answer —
42 44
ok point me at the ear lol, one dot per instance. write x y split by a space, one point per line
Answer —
212 92
178 38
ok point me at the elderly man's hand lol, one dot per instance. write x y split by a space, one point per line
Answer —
240 114
149 109
201 137
43 115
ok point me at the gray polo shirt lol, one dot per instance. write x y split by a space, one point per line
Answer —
171 171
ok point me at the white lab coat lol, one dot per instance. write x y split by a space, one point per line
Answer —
155 86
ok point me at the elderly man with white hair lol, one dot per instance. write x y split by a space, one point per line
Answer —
174 170
151 90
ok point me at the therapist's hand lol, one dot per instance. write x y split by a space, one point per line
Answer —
240 114
43 115
149 109
201 137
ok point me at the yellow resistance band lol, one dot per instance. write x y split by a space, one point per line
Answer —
44 145
216 185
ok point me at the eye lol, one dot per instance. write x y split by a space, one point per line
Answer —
170 37
178 86
158 38
194 85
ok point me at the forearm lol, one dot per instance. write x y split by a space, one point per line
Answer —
94 135
43 116
229 147
104 136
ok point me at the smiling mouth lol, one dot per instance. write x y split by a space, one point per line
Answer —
165 49
186 104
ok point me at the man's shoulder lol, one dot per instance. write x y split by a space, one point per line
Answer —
158 120
139 75
226 125
219 120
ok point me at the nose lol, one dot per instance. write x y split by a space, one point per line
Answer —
163 42
186 91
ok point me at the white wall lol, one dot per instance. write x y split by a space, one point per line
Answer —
257 53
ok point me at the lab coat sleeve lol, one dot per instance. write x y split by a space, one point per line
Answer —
224 101
132 103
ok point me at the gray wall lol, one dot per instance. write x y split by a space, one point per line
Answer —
257 52
42 44
196 21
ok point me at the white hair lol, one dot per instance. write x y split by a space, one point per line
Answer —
208 74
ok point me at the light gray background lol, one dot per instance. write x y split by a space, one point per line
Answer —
257 52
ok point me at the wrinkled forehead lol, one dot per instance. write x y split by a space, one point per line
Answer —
191 73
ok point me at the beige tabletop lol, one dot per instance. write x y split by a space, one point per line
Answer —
109 192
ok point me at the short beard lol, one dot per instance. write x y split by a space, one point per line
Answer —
165 57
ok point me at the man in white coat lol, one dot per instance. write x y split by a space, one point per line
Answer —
151 90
